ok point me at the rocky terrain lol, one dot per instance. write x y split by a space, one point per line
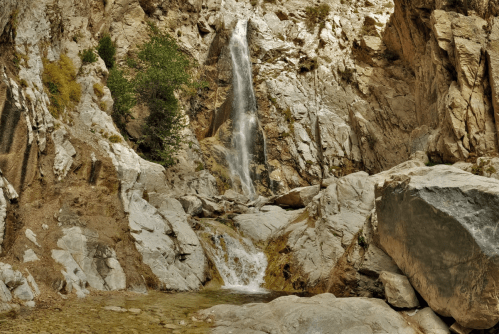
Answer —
375 163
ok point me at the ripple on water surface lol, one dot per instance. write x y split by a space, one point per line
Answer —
160 313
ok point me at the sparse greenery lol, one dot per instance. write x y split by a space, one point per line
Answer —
59 79
107 50
164 71
88 56
123 93
316 15
115 139
98 89
199 167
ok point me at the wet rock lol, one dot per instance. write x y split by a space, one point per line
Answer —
192 205
438 226
319 314
260 226
398 290
298 197
429 322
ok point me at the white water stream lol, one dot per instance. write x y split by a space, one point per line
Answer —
245 121
241 266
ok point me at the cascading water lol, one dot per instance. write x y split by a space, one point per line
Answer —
245 121
241 266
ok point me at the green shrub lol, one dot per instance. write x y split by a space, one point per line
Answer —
123 94
88 56
107 51
166 71
59 79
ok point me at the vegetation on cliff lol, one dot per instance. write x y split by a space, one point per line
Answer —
152 77
59 79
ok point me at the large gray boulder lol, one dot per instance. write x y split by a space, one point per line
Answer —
320 314
439 225
260 226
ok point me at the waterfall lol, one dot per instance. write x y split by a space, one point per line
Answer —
241 266
245 120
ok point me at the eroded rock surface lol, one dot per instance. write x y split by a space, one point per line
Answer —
438 224
319 314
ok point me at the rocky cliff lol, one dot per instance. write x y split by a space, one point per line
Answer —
346 93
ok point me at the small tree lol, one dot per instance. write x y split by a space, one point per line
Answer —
107 50
165 72
123 93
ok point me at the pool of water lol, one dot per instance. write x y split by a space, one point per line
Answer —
159 312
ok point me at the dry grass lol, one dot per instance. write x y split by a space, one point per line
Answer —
59 79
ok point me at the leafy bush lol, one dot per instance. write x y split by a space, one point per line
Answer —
166 71
123 93
59 79
88 56
107 51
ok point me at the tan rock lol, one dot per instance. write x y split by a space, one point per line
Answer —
398 290
298 197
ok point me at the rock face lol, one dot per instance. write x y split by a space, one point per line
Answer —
439 226
320 314
260 226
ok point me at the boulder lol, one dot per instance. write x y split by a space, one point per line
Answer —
319 314
298 197
210 208
192 205
398 290
23 291
233 196
439 225
429 322
11 278
260 226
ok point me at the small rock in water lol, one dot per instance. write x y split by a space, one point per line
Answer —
115 309
134 310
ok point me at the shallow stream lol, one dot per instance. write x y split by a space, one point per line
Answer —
159 313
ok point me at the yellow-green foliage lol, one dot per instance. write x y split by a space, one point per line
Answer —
102 106
59 79
115 139
99 90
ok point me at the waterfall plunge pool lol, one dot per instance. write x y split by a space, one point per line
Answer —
159 312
